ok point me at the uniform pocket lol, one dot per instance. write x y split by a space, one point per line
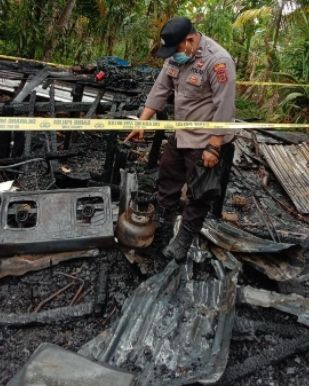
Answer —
194 92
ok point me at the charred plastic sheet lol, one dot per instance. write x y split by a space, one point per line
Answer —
290 165
176 328
60 220
52 365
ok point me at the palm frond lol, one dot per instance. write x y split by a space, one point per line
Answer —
284 76
293 98
252 14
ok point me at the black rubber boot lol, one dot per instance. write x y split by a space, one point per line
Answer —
179 247
164 219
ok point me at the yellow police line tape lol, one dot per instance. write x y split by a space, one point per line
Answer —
238 82
80 124
277 84
16 59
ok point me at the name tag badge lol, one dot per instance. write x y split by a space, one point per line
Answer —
194 79
172 71
200 63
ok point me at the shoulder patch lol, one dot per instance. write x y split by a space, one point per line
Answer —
172 71
221 72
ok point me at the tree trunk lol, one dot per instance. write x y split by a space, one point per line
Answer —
271 54
61 26
110 44
278 25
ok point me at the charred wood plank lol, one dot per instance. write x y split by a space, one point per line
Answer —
101 287
94 106
273 355
111 140
157 142
155 149
28 134
24 67
21 84
95 84
245 326
44 107
54 315
29 86
77 94
53 135
47 156
4 74
32 104
19 265
5 138
52 100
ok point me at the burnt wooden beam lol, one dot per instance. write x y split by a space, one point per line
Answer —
30 85
47 156
157 142
93 108
155 149
44 107
77 94
28 134
24 67
5 138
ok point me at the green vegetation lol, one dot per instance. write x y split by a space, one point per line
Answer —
269 40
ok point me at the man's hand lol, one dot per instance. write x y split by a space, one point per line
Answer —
138 134
211 156
135 135
209 160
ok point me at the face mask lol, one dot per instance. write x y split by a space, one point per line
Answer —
182 57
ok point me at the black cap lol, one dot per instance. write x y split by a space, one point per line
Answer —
172 33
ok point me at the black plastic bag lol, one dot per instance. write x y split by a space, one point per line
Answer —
206 182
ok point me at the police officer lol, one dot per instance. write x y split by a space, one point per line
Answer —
201 75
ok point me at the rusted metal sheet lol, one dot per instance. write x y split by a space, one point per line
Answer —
177 326
54 221
290 164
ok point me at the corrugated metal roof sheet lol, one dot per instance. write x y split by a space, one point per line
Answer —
174 329
291 166
234 239
52 365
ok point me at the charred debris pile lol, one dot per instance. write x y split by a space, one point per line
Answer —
114 312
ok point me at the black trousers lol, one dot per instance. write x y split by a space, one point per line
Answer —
176 168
